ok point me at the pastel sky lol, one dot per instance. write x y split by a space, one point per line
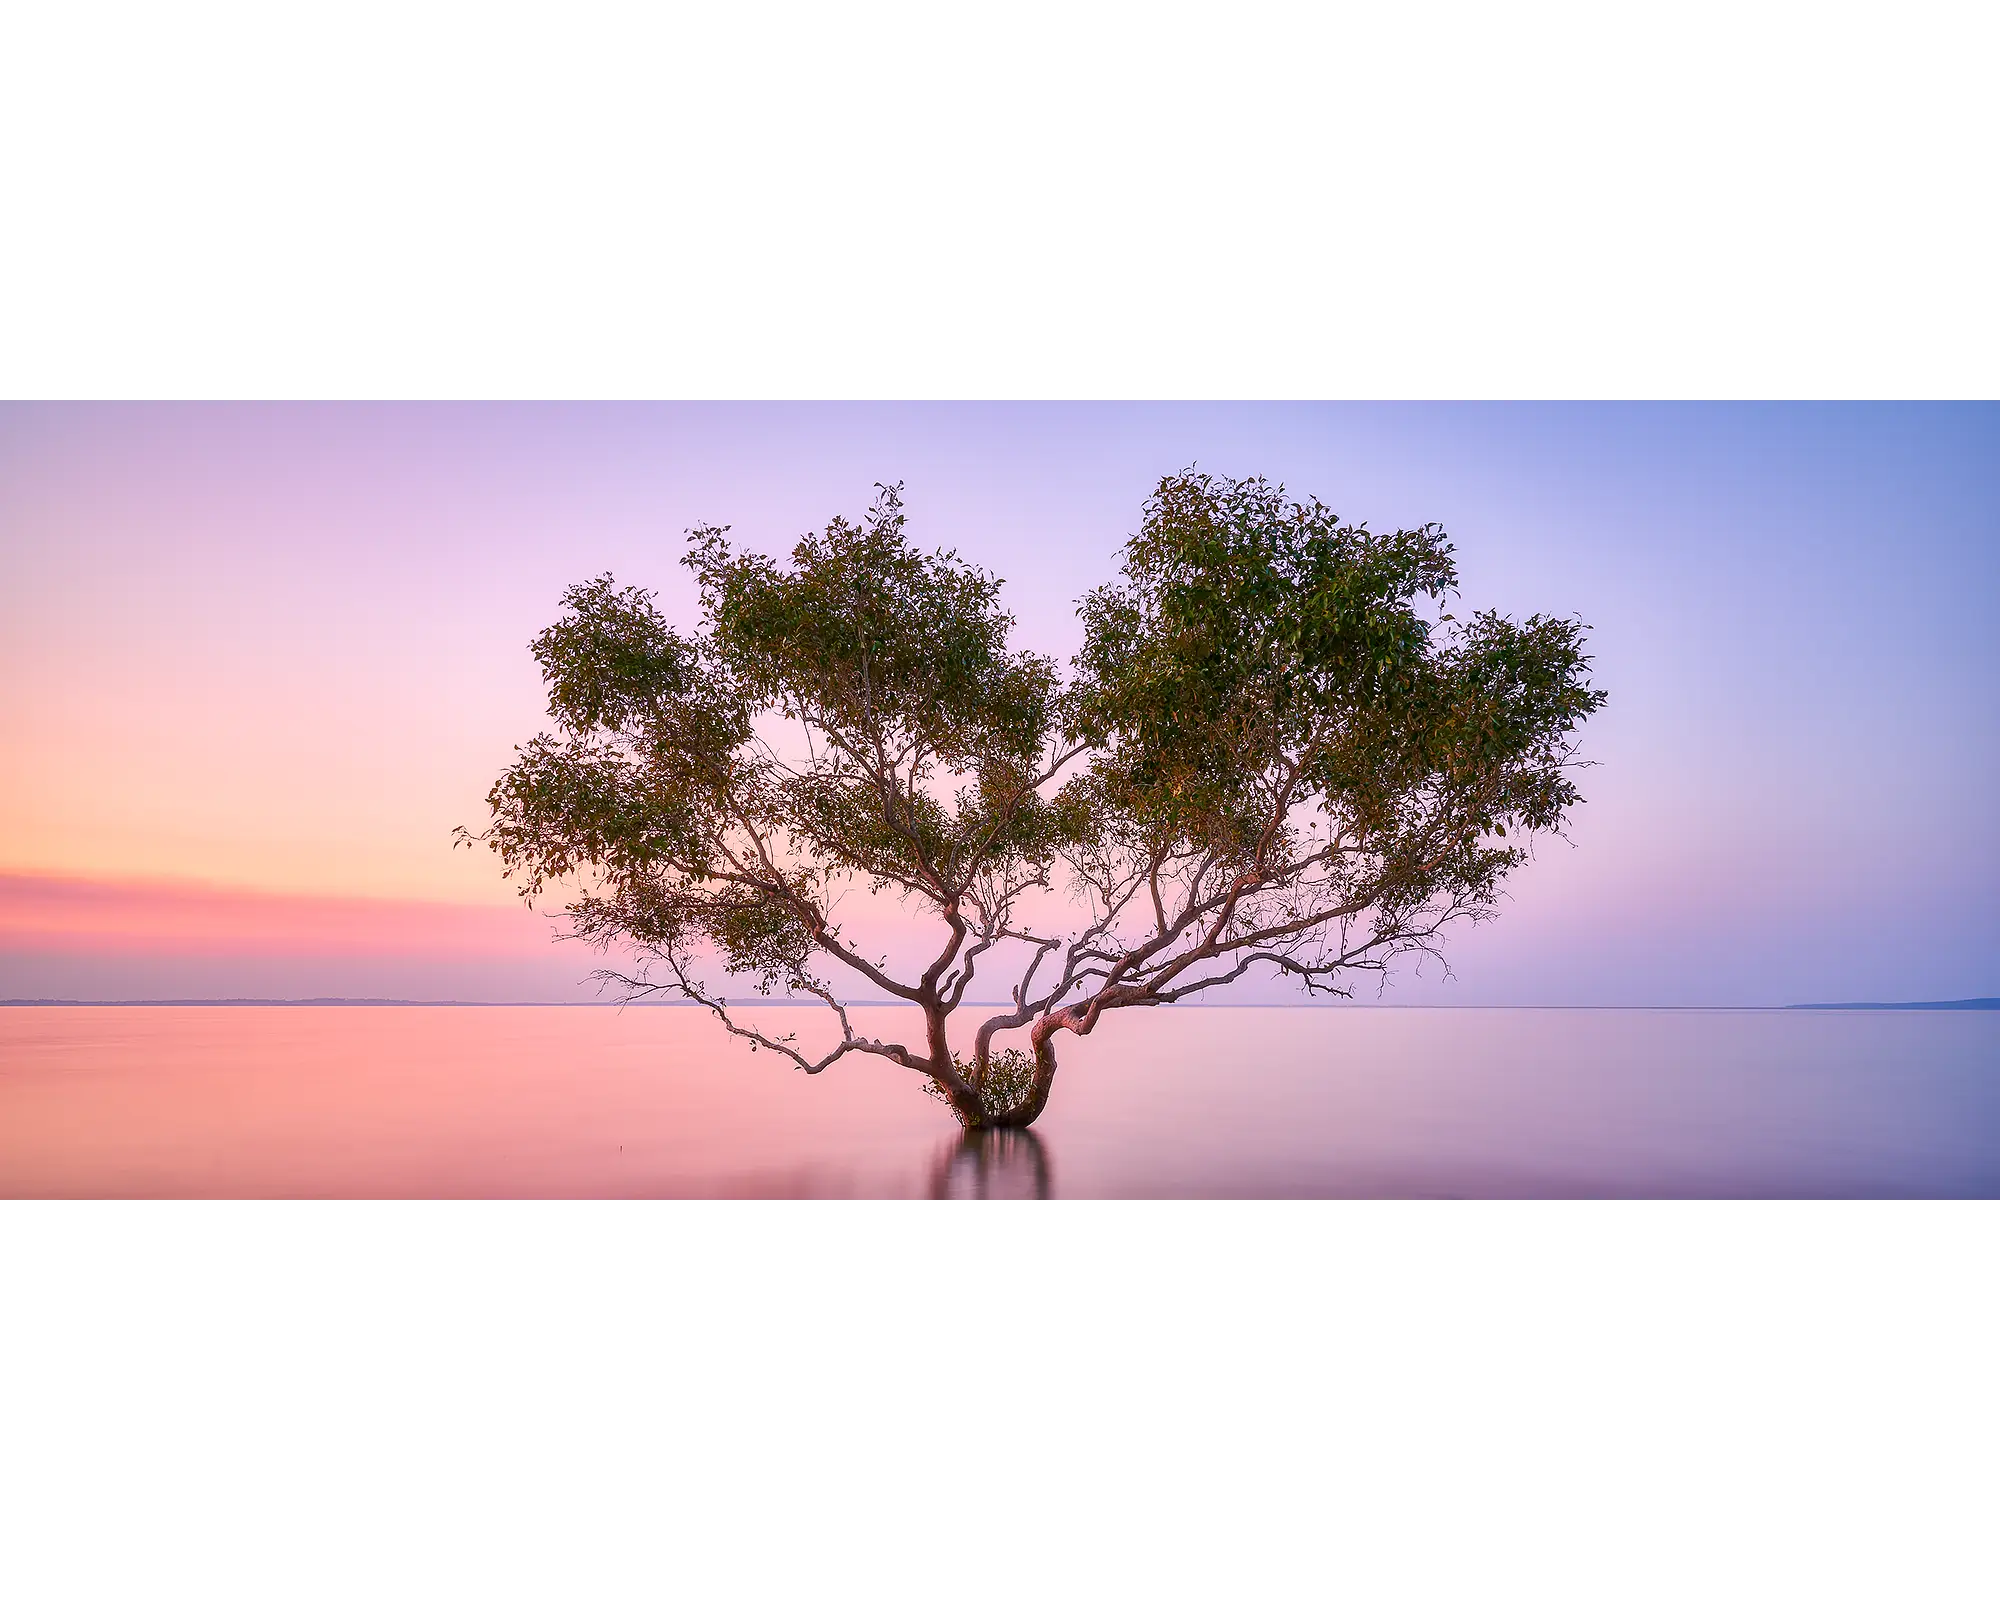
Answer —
260 660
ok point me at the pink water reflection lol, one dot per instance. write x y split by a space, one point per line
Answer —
649 1101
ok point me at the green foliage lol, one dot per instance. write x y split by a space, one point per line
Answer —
1261 655
896 661
663 792
873 640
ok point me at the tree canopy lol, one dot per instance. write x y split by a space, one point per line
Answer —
1276 749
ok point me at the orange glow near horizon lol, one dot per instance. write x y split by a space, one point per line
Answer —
76 913
64 937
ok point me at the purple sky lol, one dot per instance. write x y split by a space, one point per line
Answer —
262 659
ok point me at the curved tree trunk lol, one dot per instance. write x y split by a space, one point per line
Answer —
961 1090
968 1108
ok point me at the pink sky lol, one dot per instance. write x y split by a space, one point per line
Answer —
263 659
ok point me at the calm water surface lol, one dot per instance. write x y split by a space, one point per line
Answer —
653 1101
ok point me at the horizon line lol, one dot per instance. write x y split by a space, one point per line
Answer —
1981 1003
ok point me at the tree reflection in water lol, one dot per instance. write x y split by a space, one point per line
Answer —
992 1164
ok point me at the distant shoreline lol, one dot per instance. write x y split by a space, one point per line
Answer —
748 1003
1902 1005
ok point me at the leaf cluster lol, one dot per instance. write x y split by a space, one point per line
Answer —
1261 660
918 743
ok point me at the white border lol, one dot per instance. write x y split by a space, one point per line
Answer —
1718 199
1535 1399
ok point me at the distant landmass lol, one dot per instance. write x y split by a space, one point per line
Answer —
1988 1004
